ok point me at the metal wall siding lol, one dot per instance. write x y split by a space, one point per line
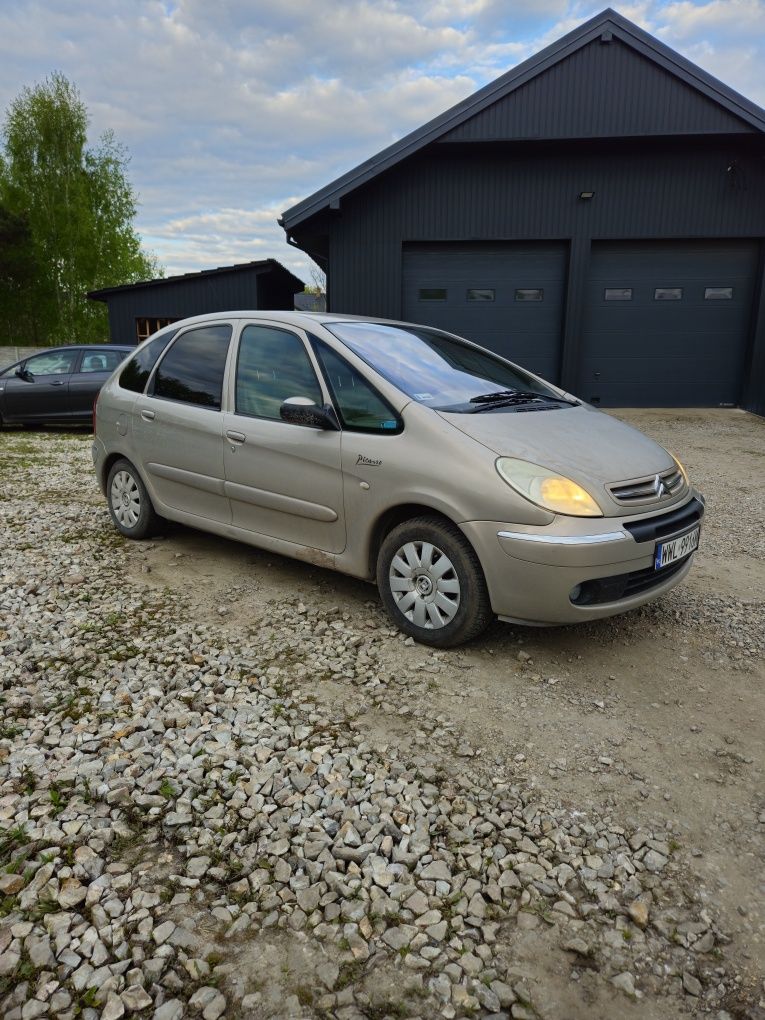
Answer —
602 90
182 298
495 194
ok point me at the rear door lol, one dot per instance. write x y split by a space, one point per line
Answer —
178 423
283 480
45 395
94 368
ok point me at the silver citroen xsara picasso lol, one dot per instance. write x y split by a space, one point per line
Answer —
465 486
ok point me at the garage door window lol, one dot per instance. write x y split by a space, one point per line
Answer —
529 294
432 293
718 293
480 294
618 294
668 294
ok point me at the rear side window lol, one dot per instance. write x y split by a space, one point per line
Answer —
360 407
101 361
192 370
135 374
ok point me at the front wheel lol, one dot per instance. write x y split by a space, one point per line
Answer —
130 507
431 583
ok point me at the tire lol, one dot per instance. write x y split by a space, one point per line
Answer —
431 583
130 507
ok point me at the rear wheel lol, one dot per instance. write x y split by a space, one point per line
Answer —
431 583
130 507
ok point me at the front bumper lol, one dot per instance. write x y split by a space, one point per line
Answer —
532 581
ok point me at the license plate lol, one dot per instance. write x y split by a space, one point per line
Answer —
671 552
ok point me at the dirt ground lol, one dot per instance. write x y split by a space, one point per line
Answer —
656 715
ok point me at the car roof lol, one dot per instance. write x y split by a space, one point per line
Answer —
297 318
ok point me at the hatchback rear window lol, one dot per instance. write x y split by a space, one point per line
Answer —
135 374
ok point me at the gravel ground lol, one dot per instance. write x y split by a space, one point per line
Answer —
229 789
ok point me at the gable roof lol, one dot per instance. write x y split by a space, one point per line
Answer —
259 266
752 116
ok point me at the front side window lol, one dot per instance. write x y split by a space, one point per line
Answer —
55 363
101 361
135 374
431 367
360 407
272 366
192 370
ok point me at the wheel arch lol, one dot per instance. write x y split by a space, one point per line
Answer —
395 515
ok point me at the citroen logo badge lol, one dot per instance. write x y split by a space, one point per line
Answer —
659 487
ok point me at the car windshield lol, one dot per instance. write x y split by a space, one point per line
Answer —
436 369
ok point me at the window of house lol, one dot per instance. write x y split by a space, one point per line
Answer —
360 407
144 327
618 294
192 370
272 366
668 294
529 294
101 361
480 294
135 374
432 293
718 293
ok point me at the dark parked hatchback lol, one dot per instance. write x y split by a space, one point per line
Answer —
58 386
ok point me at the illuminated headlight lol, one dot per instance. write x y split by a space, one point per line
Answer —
547 489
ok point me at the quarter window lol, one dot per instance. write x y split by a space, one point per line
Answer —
668 294
135 374
101 361
360 407
192 370
529 294
55 363
272 366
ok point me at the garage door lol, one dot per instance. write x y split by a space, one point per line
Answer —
667 324
508 298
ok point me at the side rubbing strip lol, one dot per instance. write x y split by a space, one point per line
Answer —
190 478
275 501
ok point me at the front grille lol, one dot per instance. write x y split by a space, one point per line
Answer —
643 490
624 586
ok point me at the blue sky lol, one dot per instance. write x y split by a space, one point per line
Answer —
233 110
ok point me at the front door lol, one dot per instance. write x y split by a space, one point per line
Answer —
44 394
283 480
178 424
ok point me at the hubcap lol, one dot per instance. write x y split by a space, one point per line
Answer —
125 499
425 585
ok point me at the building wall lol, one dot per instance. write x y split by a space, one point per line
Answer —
179 299
645 188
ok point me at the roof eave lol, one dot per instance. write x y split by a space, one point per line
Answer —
507 83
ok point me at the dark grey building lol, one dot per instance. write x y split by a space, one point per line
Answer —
597 214
139 309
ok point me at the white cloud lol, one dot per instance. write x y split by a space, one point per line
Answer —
234 110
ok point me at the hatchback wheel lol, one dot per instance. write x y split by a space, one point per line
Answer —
432 584
129 504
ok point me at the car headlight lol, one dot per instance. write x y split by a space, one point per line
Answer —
547 489
680 467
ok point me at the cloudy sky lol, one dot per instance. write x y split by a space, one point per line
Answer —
233 110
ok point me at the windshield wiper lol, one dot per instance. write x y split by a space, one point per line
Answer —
508 397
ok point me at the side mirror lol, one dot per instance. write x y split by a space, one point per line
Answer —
22 372
302 411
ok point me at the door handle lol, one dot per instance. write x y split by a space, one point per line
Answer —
147 415
57 382
236 437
